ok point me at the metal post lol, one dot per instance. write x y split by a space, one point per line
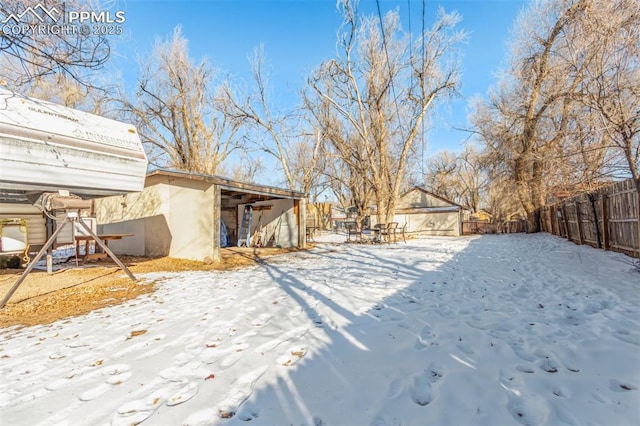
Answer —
32 264
106 249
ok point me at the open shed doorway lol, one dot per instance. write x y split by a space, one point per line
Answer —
274 221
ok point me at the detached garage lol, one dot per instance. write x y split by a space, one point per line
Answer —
426 213
191 216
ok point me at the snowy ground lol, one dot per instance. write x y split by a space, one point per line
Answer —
492 330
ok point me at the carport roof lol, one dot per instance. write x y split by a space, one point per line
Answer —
224 183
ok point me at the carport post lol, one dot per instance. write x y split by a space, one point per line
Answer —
217 199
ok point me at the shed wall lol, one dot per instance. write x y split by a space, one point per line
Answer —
167 220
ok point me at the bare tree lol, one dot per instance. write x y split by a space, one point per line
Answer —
29 54
612 91
459 177
64 90
373 98
297 151
611 30
441 175
245 169
530 112
185 122
565 113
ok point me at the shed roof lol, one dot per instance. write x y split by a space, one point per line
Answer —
163 175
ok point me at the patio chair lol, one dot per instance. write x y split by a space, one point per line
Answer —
390 232
379 230
352 230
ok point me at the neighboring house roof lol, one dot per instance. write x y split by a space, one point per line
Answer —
428 209
482 212
431 194
161 175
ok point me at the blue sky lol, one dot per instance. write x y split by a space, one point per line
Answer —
298 35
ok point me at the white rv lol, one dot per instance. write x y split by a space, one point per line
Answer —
45 147
49 147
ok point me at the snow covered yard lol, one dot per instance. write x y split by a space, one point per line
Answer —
491 330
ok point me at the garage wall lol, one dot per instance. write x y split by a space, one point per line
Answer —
440 223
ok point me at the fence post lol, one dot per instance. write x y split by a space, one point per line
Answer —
566 222
605 222
579 220
592 200
637 194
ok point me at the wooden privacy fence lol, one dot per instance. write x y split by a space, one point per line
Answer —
608 218
482 227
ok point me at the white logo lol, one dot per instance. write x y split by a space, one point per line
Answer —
39 12
40 20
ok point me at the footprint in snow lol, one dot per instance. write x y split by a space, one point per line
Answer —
95 392
282 337
293 355
263 319
118 379
528 410
187 392
191 371
247 414
525 369
511 382
295 312
559 391
137 411
621 386
549 364
233 357
421 389
521 348
240 392
395 388
426 338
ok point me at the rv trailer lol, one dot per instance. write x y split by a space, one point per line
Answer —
45 147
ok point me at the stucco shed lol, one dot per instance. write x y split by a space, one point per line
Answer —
179 214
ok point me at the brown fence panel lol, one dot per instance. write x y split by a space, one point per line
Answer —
478 227
622 208
608 218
